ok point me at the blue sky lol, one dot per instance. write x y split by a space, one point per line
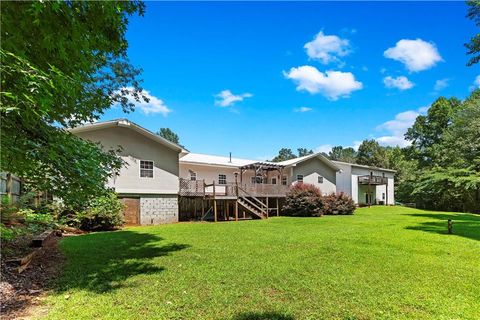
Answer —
253 77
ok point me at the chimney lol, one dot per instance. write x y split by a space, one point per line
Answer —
230 158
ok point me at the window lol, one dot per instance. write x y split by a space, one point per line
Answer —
284 180
146 169
320 179
222 179
257 179
300 178
274 180
383 196
193 176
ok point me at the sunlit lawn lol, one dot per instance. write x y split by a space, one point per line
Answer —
381 263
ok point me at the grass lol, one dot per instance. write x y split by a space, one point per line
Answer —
381 263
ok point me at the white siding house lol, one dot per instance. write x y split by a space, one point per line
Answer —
379 191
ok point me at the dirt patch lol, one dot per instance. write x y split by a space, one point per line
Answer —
20 293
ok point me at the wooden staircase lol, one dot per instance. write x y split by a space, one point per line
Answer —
252 204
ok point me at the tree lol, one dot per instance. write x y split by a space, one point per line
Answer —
304 152
473 46
339 153
168 134
63 64
370 153
427 131
284 154
446 147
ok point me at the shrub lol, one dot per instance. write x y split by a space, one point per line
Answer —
303 200
337 204
102 213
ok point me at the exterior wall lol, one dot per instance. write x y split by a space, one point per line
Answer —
311 170
137 147
344 181
379 190
158 209
347 182
210 173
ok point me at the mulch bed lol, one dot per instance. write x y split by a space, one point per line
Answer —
19 293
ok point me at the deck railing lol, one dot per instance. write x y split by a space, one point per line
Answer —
373 180
199 188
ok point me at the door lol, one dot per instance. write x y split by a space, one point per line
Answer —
368 198
131 213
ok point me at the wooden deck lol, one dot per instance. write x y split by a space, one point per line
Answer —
230 190
372 180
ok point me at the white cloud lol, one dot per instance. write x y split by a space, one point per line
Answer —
331 84
476 83
395 129
417 55
401 83
356 144
323 148
226 98
153 106
327 48
303 109
441 84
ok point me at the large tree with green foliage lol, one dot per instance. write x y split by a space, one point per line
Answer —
340 153
473 46
168 134
284 154
63 64
427 131
304 152
370 153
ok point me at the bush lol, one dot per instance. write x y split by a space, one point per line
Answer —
303 200
337 204
102 213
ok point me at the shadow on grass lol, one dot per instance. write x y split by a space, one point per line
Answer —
464 225
262 316
102 262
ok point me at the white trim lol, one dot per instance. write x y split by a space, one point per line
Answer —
140 169
222 174
127 124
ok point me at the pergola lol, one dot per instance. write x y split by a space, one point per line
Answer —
261 167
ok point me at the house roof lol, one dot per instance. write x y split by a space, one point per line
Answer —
206 159
363 166
294 162
131 125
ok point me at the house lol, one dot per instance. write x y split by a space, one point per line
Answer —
256 188
162 182
366 185
148 183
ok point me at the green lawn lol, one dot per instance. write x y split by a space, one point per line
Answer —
381 263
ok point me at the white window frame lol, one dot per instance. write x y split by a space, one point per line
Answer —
222 180
140 169
300 180
193 176
320 179
273 180
284 180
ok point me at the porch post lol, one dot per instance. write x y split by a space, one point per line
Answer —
227 210
215 209
278 208
386 193
236 210
268 208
